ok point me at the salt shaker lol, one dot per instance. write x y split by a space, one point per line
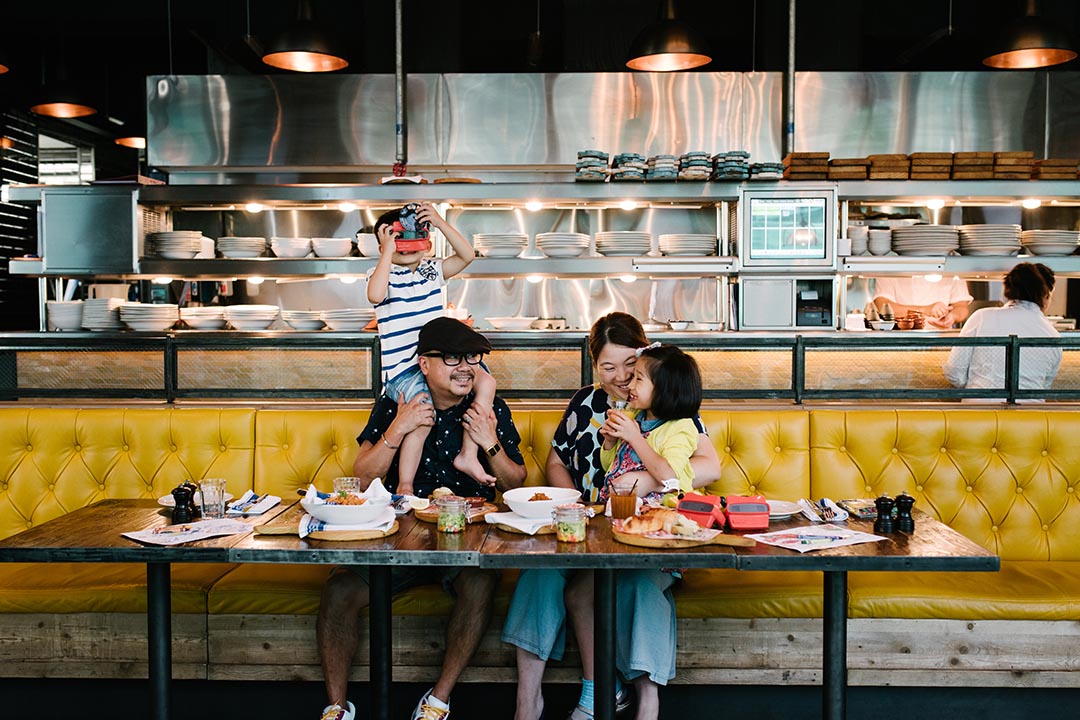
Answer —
884 523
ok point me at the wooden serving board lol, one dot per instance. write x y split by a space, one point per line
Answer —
546 530
431 513
681 542
288 523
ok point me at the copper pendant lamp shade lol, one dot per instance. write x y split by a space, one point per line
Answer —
1032 42
60 99
304 46
667 45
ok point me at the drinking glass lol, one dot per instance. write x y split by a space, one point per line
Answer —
347 486
623 500
212 492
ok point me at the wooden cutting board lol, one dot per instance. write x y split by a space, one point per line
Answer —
288 523
680 542
431 513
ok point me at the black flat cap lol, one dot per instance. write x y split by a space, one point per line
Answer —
452 337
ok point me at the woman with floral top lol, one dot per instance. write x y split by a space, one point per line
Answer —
543 599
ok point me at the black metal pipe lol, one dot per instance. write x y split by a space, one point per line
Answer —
834 651
381 640
604 643
159 639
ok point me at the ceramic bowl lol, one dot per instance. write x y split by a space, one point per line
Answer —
342 514
518 500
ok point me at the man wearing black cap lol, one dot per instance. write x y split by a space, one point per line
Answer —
449 353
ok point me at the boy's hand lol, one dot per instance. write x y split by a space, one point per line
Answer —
386 240
427 213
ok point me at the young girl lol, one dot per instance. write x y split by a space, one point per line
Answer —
653 445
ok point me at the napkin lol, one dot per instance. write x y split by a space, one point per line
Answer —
375 492
813 512
529 526
383 521
246 506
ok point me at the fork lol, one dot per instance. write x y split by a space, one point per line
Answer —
826 511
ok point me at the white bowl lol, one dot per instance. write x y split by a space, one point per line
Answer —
883 324
367 244
297 324
679 324
518 500
511 323
332 247
342 514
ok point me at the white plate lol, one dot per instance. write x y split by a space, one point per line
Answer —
168 501
782 509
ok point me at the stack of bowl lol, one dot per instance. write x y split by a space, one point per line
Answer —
332 247
64 315
251 317
203 318
290 247
303 319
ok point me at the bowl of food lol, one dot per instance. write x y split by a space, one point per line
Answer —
342 509
539 501
883 324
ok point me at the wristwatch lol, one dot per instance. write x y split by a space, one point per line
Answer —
494 449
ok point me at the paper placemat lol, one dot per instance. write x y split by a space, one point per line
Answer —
188 532
818 537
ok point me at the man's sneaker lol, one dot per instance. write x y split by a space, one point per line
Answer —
424 711
336 712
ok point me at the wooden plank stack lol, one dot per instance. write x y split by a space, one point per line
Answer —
848 168
973 166
889 167
806 166
931 165
1014 165
1057 169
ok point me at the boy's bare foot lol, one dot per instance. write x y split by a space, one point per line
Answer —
471 466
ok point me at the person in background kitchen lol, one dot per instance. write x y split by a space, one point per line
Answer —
406 289
544 600
943 303
1028 290
450 354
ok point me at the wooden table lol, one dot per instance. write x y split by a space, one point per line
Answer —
933 546
92 534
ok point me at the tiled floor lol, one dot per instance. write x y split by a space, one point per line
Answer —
123 700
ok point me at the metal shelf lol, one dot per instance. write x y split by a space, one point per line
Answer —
963 265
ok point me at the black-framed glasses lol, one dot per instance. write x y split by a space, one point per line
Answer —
452 360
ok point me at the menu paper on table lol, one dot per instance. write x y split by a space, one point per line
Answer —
188 532
818 537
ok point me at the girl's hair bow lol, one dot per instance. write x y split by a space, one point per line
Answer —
653 346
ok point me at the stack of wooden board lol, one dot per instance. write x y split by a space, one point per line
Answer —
1057 169
806 166
848 168
973 166
931 165
889 167
1016 165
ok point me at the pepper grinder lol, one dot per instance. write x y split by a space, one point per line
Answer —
884 523
181 505
193 507
904 522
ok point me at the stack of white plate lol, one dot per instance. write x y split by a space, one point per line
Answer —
500 245
241 247
102 314
348 318
990 239
178 244
332 247
924 240
303 319
562 244
64 315
147 317
1050 242
626 243
251 317
290 247
679 244
879 241
203 318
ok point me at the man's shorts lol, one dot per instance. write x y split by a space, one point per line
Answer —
408 384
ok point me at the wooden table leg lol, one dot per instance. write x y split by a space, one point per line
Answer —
159 639
381 660
604 644
834 650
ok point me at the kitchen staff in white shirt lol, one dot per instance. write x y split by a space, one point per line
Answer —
943 303
1028 288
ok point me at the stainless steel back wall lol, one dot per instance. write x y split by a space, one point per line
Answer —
316 129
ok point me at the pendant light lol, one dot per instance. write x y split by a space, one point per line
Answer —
60 97
668 44
304 46
1032 42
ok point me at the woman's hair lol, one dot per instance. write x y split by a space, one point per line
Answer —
676 382
617 328
1029 281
